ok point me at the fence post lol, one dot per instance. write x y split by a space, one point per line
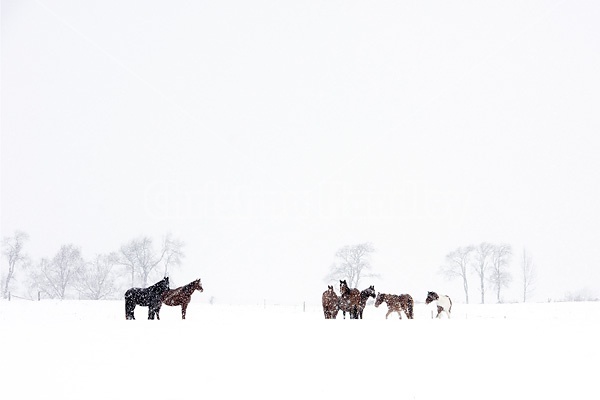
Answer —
39 295
304 306
8 296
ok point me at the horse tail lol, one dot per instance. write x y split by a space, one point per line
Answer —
449 308
129 304
411 304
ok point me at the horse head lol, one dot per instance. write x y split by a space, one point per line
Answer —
164 284
379 299
198 285
344 287
431 296
370 291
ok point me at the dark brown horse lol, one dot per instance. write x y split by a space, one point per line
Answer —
349 300
182 295
396 303
331 303
364 296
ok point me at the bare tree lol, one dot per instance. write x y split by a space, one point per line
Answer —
96 280
54 277
12 249
499 275
529 274
353 264
174 254
140 257
482 255
457 266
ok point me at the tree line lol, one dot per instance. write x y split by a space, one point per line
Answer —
490 263
68 274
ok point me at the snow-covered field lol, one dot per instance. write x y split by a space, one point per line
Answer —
86 350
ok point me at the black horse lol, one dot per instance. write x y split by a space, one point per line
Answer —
364 296
148 297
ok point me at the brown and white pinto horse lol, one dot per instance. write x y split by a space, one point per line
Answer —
395 303
331 303
364 296
349 300
182 295
443 303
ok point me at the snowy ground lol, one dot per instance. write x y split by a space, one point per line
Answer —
86 350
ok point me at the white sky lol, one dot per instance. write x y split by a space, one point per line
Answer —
267 134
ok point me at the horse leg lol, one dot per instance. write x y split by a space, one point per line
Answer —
129 307
157 309
183 309
440 309
388 313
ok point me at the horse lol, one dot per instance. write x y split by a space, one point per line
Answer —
146 297
364 296
349 301
182 295
443 303
331 303
395 303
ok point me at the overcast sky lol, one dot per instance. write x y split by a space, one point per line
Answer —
268 134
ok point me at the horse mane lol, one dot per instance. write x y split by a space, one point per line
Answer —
162 284
189 287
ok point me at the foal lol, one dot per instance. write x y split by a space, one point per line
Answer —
443 303
182 295
396 303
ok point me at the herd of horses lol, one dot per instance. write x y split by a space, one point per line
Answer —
350 300
354 301
154 296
